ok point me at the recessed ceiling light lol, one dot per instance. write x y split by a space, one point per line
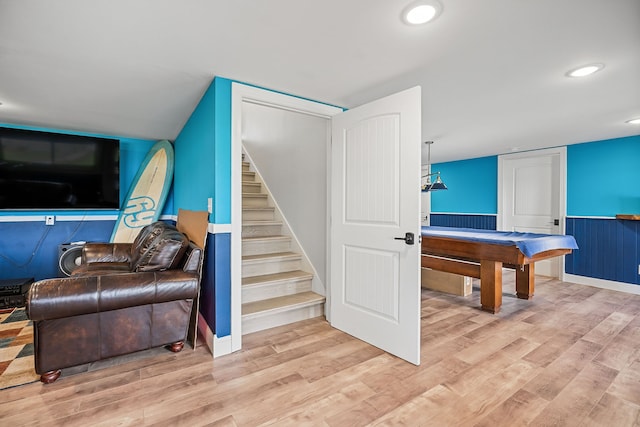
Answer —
634 121
421 12
585 70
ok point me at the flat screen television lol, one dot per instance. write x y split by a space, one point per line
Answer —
45 170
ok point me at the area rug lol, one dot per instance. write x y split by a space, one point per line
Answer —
16 349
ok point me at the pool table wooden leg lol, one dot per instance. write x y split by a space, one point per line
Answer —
491 286
525 281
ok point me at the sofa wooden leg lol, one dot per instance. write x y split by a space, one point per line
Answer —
176 346
51 376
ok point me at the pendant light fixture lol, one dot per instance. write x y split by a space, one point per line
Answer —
426 184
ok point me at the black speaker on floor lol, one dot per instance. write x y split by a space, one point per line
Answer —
69 257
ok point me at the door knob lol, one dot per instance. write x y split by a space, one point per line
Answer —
408 238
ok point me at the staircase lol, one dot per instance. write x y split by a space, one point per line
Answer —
275 289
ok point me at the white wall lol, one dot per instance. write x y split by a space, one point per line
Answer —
290 151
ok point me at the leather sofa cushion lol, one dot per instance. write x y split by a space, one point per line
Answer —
101 268
106 252
158 247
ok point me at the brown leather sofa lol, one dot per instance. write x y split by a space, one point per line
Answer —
124 297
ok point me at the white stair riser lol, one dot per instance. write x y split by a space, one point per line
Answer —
271 320
255 202
259 292
260 230
258 247
265 214
250 269
251 187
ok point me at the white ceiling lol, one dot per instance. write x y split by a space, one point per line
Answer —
491 71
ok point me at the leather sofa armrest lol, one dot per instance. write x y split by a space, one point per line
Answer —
106 252
73 296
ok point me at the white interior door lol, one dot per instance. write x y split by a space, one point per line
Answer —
375 198
531 187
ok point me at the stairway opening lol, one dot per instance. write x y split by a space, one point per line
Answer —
276 290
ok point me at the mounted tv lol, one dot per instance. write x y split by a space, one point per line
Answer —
45 170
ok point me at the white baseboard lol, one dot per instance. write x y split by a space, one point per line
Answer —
604 284
217 346
221 346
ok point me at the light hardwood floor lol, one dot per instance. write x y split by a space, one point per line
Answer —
569 357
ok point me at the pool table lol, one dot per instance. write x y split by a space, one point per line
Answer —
483 253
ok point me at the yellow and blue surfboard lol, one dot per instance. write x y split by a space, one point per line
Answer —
147 194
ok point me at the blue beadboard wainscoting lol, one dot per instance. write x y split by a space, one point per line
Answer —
483 222
609 249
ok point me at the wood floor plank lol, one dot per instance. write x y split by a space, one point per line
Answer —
519 409
425 409
611 411
557 344
563 370
627 384
608 328
620 353
571 406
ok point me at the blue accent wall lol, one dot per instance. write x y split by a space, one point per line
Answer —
222 171
207 290
195 154
203 170
222 278
603 177
203 155
472 186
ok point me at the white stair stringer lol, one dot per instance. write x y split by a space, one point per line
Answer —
276 289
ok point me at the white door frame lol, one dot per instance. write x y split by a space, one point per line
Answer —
562 202
242 93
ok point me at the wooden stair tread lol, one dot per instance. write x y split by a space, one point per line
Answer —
268 238
301 299
273 256
262 208
277 277
260 222
256 195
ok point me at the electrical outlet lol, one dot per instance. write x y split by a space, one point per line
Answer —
49 220
210 205
639 269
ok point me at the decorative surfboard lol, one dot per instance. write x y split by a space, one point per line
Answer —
147 194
